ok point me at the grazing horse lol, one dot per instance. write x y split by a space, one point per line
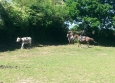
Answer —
84 39
70 38
24 40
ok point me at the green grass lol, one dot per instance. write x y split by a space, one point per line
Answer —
58 64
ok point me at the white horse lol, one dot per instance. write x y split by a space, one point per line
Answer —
70 38
24 40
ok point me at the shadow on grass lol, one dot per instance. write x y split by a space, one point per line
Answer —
5 46
11 46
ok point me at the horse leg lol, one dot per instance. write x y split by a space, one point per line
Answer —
22 46
72 41
69 41
87 44
29 45
79 44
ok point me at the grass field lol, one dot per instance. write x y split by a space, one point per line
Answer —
58 64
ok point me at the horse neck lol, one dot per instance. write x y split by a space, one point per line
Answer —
76 36
20 40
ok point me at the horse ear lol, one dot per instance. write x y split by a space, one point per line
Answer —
18 37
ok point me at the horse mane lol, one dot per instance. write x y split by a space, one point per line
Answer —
76 35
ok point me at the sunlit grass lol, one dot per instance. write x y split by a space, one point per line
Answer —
58 64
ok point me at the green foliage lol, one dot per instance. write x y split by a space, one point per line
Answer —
72 8
15 19
44 19
1 24
94 21
75 28
113 21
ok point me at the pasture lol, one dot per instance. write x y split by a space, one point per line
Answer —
58 64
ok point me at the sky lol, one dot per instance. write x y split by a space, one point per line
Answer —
71 25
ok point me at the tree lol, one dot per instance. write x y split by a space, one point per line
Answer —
40 20
92 14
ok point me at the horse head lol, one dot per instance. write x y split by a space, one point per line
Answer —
67 35
18 39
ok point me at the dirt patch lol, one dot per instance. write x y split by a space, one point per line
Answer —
102 54
28 80
1 82
11 67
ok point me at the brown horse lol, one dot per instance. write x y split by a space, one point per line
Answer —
70 38
84 39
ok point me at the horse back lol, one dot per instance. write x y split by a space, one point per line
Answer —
26 39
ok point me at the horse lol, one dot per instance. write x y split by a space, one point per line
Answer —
24 40
84 39
70 38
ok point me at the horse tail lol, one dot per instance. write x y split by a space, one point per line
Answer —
93 40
